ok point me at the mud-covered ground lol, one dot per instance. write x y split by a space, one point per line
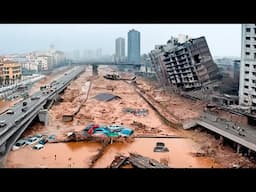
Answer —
182 151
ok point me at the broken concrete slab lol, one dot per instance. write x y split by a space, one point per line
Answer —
106 97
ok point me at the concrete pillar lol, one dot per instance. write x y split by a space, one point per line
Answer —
238 146
43 116
249 152
3 148
221 140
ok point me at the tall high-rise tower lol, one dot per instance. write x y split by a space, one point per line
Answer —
134 46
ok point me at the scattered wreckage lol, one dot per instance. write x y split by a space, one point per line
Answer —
136 112
137 161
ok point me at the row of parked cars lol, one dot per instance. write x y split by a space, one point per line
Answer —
37 142
111 130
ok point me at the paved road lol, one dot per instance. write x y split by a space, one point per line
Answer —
245 135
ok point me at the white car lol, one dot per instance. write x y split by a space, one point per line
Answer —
38 146
115 128
19 144
32 140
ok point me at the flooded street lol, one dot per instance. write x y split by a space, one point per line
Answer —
79 154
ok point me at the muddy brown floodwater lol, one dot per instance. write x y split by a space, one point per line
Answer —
57 155
179 155
79 154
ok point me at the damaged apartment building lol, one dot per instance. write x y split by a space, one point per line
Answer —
184 64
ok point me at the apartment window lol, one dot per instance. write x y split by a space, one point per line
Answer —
254 96
246 94
254 55
247 38
247 45
254 66
255 30
247 65
254 81
254 46
246 86
254 73
248 30
247 53
245 101
246 79
246 72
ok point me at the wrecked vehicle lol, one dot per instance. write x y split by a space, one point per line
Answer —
19 144
126 132
160 147
38 146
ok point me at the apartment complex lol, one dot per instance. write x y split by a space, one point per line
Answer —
43 61
247 83
10 71
134 47
184 66
120 50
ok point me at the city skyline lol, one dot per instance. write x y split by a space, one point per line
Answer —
23 38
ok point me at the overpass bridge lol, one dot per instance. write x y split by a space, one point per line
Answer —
124 64
241 135
13 125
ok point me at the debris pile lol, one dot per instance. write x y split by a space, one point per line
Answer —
137 161
136 112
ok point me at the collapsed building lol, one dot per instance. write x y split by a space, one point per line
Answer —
184 65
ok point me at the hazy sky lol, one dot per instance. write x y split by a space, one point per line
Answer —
223 39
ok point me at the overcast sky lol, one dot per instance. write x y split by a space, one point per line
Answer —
223 39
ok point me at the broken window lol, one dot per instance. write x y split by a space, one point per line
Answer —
248 30
197 58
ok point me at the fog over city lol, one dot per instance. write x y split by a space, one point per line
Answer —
223 39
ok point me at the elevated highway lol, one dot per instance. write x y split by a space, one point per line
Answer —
13 124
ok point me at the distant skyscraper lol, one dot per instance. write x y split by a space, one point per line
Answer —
120 50
247 84
134 46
